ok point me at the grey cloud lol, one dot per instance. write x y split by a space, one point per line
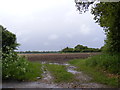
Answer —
53 27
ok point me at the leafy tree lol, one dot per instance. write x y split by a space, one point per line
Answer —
79 48
67 49
8 40
107 16
13 65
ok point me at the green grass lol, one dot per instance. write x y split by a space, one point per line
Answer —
59 73
32 71
19 68
107 62
93 67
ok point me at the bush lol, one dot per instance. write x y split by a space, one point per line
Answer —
14 66
107 62
17 67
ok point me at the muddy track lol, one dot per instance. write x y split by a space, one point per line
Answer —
83 80
47 80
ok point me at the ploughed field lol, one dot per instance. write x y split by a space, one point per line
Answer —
57 57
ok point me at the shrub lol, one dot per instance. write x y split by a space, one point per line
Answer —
14 66
107 62
17 67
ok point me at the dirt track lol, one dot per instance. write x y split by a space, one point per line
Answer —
84 81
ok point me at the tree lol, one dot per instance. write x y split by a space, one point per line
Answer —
67 49
107 16
8 40
82 5
79 48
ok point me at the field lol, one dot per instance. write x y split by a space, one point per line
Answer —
66 70
58 57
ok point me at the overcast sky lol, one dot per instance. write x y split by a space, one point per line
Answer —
49 24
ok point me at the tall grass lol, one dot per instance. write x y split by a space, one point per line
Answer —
95 65
106 62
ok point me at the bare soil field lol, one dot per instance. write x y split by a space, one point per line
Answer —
57 57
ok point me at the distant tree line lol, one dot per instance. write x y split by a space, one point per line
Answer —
80 48
22 52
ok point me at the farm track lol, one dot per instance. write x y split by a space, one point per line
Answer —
47 81
83 80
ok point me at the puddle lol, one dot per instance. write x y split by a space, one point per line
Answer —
43 62
72 70
54 63
66 64
79 75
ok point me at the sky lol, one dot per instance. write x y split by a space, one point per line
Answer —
49 25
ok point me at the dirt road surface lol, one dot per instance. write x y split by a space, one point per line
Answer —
84 81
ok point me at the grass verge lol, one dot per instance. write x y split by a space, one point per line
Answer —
33 71
59 73
95 67
19 68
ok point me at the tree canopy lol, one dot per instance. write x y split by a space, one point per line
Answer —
106 14
80 48
8 40
67 49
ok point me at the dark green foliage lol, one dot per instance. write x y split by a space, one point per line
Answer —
13 65
107 16
17 67
80 48
8 40
67 49
107 62
95 67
